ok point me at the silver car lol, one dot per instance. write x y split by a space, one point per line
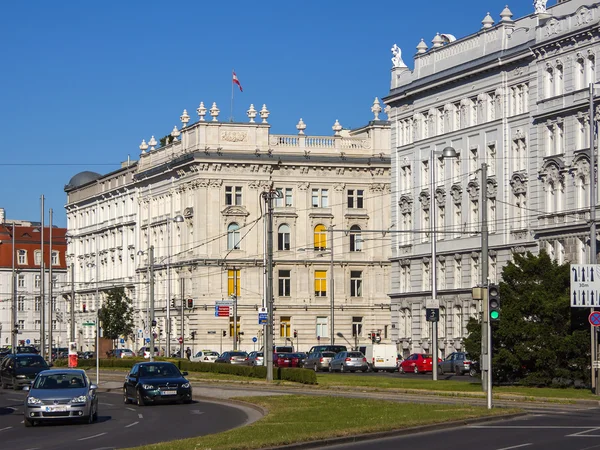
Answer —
256 359
60 394
348 362
233 357
318 361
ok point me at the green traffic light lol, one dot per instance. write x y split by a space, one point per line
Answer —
494 315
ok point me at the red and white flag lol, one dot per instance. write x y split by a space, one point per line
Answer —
236 81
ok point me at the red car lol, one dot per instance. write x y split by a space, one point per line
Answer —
417 363
286 360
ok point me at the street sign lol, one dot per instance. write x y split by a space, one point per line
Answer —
28 342
262 316
595 318
432 304
211 332
585 285
254 339
432 314
596 364
88 324
122 341
222 311
147 340
180 340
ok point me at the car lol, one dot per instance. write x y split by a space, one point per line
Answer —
86 355
474 369
207 356
458 363
256 358
59 353
318 361
283 349
328 348
233 357
56 394
286 360
145 352
20 369
348 362
417 363
27 349
156 382
301 358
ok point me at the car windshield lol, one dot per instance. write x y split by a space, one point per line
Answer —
60 381
238 354
159 370
328 354
31 361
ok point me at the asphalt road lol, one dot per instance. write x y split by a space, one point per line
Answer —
419 376
118 425
557 430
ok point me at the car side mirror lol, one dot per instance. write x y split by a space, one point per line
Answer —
26 388
93 387
183 374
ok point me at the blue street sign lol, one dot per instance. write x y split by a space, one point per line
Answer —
122 341
254 339
28 342
147 340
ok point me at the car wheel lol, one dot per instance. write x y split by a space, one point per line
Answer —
4 385
472 372
139 398
416 369
28 423
315 368
125 398
457 371
330 368
342 370
401 369
95 416
440 370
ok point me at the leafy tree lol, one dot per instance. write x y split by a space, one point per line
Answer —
116 314
166 140
539 340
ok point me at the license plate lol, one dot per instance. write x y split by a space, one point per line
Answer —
168 392
56 408
379 359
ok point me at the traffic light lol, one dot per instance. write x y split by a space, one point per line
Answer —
224 333
190 303
295 334
172 303
193 334
494 301
154 323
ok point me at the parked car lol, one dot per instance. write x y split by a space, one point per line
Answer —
60 353
233 357
286 360
458 363
153 382
20 369
328 348
256 358
145 352
61 394
27 349
4 352
207 356
301 358
348 362
86 355
318 361
417 363
381 356
121 353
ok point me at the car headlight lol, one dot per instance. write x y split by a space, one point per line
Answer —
80 399
33 401
21 376
148 387
185 385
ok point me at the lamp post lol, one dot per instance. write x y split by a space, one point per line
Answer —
13 316
593 246
448 152
177 218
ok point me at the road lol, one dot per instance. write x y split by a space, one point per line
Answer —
419 376
118 425
555 430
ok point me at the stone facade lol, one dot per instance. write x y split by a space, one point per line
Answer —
197 202
513 96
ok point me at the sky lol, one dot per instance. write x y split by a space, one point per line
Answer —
83 82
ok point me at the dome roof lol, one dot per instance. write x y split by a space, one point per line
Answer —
81 178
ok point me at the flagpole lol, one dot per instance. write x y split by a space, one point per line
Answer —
231 111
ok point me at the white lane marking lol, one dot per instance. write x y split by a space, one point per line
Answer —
584 433
6 428
15 399
131 409
141 416
515 446
131 424
521 427
32 448
196 411
91 437
107 404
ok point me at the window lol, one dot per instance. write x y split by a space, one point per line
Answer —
37 257
457 273
322 327
355 198
21 281
283 237
38 302
320 283
285 326
357 326
425 279
53 304
54 281
320 237
405 178
21 324
284 197
37 282
457 321
233 195
22 256
55 258
37 324
285 283
356 283
233 236
424 324
355 239
405 278
320 198
54 324
233 282
21 303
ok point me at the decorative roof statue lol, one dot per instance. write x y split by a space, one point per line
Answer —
540 6
397 58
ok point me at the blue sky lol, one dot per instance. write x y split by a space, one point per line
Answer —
82 82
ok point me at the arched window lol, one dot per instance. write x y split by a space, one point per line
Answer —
355 239
283 237
320 237
457 321
233 236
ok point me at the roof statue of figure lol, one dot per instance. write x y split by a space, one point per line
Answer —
540 6
397 58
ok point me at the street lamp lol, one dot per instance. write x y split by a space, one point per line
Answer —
448 152
151 320
177 218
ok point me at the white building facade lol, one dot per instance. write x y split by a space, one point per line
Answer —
512 96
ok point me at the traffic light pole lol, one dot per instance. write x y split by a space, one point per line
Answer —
152 322
485 322
182 291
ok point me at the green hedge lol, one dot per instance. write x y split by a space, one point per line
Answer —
303 376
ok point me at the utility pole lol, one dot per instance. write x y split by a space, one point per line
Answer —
235 333
42 293
50 290
72 302
268 350
152 321
183 300
332 289
593 246
486 331
13 325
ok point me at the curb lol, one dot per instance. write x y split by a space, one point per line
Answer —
393 433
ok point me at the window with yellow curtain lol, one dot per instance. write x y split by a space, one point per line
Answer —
320 237
285 326
320 283
232 277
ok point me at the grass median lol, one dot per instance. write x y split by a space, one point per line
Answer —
300 418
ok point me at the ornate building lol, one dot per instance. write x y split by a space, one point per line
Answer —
196 200
513 96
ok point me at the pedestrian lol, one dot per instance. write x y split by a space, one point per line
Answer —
188 353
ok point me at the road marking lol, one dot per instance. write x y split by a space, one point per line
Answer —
196 411
141 416
107 404
515 446
91 437
15 399
131 409
131 424
4 429
10 407
584 433
32 448
521 427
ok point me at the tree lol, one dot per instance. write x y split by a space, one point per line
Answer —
539 340
116 315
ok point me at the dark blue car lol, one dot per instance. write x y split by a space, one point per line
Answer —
153 382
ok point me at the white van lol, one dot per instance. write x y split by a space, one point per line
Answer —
381 356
